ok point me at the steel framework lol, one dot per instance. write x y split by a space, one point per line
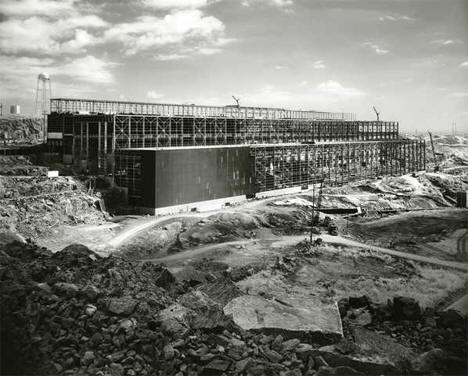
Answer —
92 106
284 166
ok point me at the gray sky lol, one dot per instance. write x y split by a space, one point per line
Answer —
408 58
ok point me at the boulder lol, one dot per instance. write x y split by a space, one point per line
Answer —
68 289
8 237
405 308
216 367
175 319
90 292
380 346
164 278
121 306
75 255
293 317
428 361
221 290
451 319
338 371
460 306
372 354
364 364
358 301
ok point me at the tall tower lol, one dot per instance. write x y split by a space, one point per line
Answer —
43 95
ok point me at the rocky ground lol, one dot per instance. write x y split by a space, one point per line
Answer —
73 312
237 291
18 129
33 205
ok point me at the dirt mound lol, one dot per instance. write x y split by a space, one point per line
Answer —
20 130
32 206
16 165
75 313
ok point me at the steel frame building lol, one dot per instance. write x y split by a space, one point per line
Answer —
67 105
285 166
288 147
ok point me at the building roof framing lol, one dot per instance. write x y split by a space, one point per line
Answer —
92 106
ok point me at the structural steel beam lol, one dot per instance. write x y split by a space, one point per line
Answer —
284 166
92 106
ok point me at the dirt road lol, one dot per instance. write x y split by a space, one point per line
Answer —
339 240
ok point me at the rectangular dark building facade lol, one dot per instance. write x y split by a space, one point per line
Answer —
175 177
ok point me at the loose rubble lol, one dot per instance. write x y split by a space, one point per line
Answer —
75 313
32 206
20 129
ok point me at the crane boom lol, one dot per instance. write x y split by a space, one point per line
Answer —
377 113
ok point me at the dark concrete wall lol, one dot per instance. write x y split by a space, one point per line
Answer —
191 175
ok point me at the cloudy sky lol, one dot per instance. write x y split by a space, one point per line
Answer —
407 58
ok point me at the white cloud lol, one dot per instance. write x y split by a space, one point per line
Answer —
178 33
154 95
45 36
283 4
318 65
464 64
26 8
444 42
324 95
176 4
334 88
88 69
281 67
459 94
376 48
79 43
77 77
170 57
396 18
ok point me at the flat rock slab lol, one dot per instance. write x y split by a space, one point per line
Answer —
294 317
461 306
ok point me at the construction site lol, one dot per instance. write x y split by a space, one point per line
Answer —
266 149
171 239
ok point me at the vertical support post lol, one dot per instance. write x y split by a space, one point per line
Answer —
87 145
99 159
113 134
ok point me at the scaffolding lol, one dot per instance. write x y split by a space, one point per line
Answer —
136 131
285 166
92 106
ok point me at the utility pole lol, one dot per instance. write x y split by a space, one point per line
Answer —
433 152
312 221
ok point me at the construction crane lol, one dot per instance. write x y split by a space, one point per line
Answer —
237 101
434 154
377 113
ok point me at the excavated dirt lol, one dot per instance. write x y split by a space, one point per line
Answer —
424 232
16 129
75 313
33 206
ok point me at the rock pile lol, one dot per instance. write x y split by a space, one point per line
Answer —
403 329
32 206
20 129
75 313
19 165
